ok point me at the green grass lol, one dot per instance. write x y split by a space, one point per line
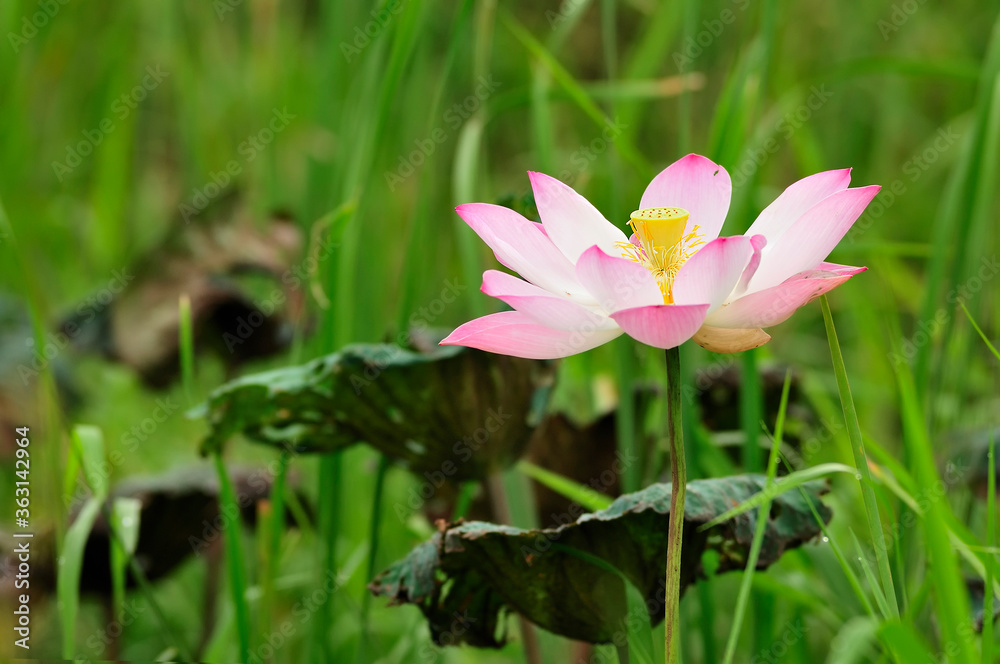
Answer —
911 375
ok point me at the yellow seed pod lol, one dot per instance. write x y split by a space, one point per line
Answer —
659 227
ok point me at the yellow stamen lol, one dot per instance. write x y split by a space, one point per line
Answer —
659 227
663 246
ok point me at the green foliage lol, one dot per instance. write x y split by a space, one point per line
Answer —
450 410
480 570
371 165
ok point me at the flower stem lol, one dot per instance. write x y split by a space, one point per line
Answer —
678 478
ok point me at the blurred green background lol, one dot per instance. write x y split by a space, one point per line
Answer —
118 118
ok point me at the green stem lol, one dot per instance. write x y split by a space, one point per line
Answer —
991 539
373 541
678 478
234 557
861 462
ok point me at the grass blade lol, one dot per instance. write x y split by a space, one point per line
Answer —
125 527
373 542
230 510
578 493
860 461
982 335
905 642
780 486
88 445
991 540
873 583
762 520
186 348
952 602
70 566
576 92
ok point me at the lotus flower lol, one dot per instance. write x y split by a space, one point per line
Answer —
585 283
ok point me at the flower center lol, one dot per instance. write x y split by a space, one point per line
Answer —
663 246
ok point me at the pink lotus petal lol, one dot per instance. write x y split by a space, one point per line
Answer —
725 340
616 283
696 184
573 224
522 246
514 333
839 270
662 325
796 200
810 239
711 274
542 306
774 305
758 242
